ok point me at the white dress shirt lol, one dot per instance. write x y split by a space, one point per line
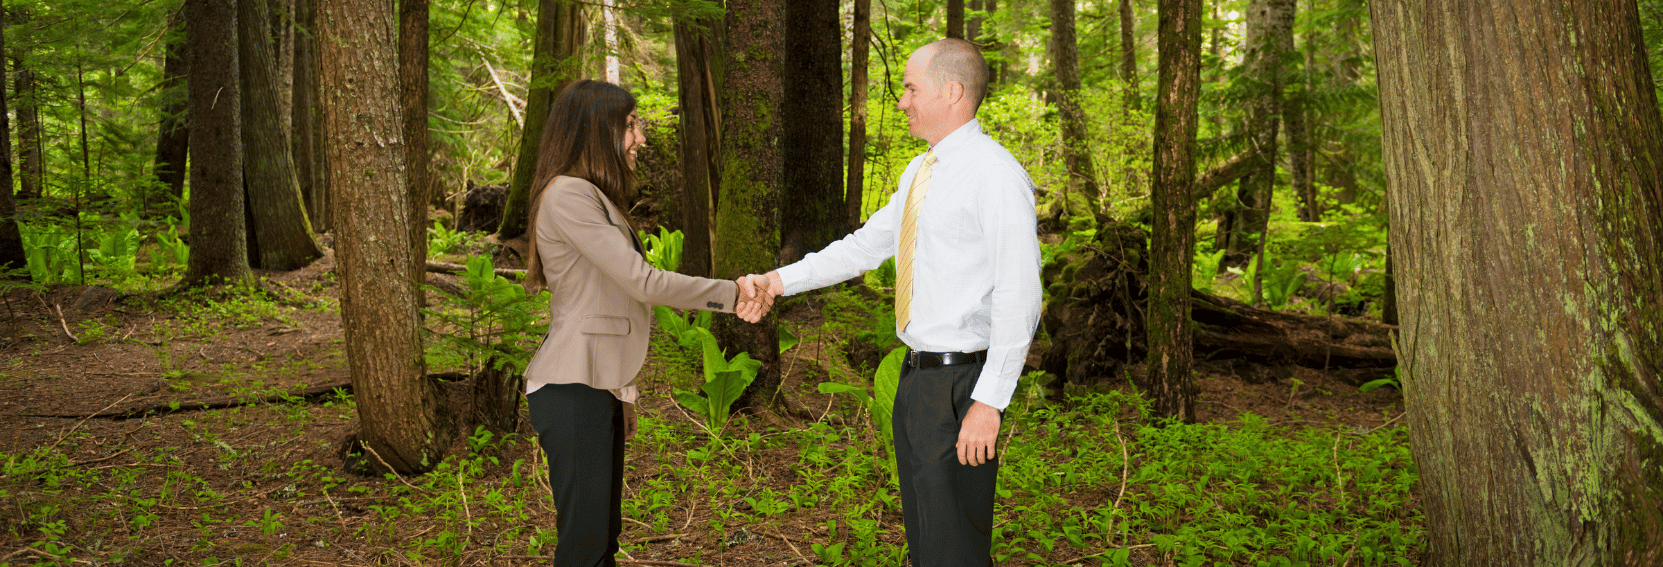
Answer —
975 263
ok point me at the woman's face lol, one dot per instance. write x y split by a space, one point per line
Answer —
635 134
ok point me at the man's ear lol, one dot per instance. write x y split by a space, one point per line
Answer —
955 93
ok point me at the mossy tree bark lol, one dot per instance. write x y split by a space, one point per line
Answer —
1524 156
399 410
813 144
1172 225
748 206
12 255
859 55
219 246
1269 38
554 62
1065 53
173 135
699 56
280 236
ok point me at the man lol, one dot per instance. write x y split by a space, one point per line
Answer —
961 227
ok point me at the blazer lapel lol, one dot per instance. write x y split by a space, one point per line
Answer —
620 220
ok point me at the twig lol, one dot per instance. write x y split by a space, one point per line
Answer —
65 325
664 537
787 541
390 468
1339 478
652 562
1388 422
464 492
102 459
1125 466
507 98
84 420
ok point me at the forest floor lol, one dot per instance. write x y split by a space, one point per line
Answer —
107 458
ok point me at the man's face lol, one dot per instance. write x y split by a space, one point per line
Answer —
923 99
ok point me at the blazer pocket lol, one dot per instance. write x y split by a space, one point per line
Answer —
603 325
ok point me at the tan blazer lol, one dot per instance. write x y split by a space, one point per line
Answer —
602 290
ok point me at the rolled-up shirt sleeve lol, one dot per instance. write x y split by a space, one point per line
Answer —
1012 241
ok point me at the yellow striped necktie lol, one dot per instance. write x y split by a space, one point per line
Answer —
908 240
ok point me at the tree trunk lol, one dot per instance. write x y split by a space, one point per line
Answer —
412 71
280 236
860 55
1523 152
12 256
281 19
1172 226
399 411
748 208
555 47
813 106
972 26
27 103
1299 146
1268 23
307 151
173 135
1076 152
955 18
218 240
1128 56
699 54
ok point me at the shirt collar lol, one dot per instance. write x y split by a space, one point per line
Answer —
958 139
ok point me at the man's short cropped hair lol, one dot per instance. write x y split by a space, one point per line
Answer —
959 60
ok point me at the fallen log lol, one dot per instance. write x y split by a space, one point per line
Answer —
226 402
448 268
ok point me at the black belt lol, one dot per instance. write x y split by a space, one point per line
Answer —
916 359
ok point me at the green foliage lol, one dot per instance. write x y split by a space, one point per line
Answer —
724 381
495 321
663 249
442 240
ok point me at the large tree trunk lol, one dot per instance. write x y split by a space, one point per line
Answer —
280 236
1172 224
218 240
699 55
1065 52
412 72
813 106
27 107
12 256
955 18
399 411
1129 56
748 208
1524 156
555 62
860 55
1269 37
281 19
308 153
173 135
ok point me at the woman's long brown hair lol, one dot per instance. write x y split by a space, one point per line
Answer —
584 138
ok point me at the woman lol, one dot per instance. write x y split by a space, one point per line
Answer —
581 383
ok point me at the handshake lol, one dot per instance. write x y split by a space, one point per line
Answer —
756 295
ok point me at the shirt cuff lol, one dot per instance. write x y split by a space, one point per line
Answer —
794 278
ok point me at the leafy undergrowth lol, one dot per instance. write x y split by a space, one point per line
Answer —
1088 479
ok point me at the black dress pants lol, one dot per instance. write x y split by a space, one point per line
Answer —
948 507
581 430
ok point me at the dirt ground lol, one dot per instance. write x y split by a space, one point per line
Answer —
83 398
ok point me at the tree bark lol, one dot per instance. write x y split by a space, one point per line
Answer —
399 410
1523 152
280 237
412 71
859 84
699 56
813 106
955 19
27 107
219 246
748 207
1301 170
1065 53
1128 57
1269 23
173 135
972 26
282 22
12 255
1171 383
555 62
308 157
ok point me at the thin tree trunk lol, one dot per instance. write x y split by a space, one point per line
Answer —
173 136
972 26
1299 144
860 56
814 216
1172 226
1268 22
698 55
1065 53
283 35
955 18
748 209
218 243
1128 56
12 255
1523 152
305 147
609 22
399 410
555 62
412 70
280 236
